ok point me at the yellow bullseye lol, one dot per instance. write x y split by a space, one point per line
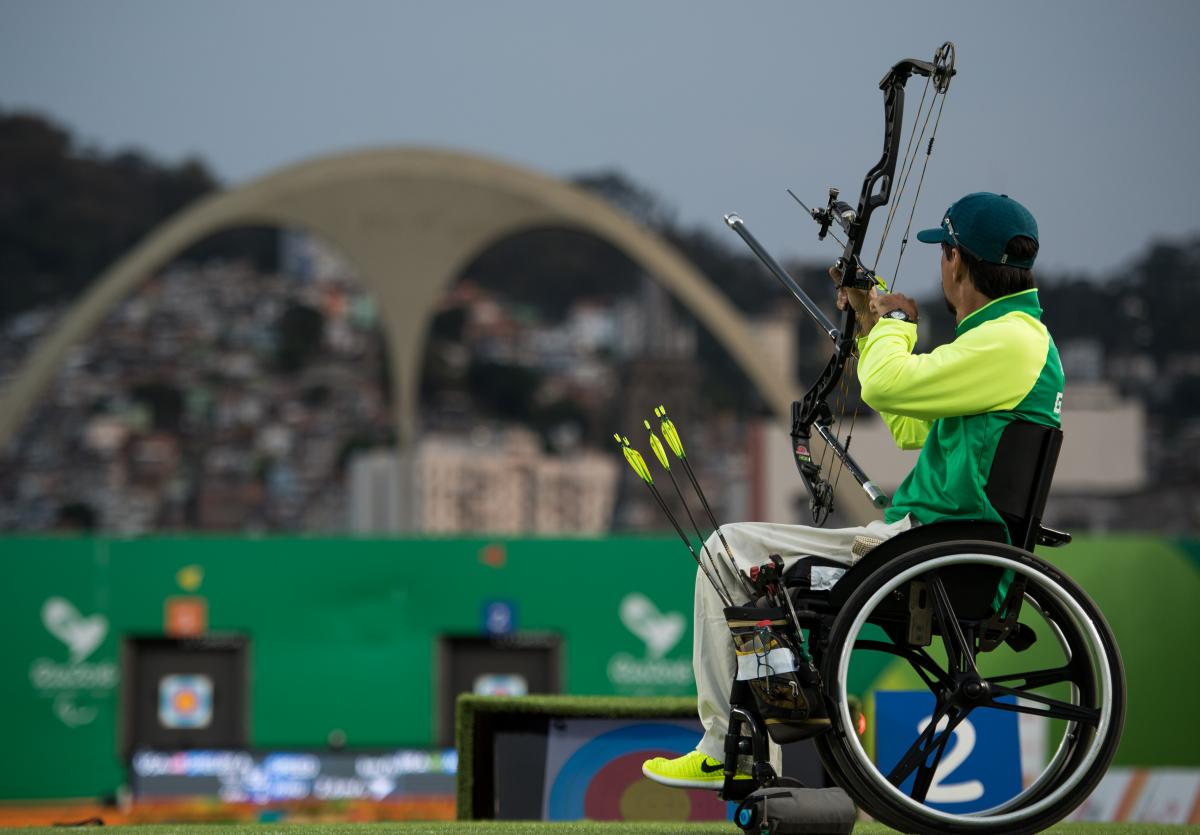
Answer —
648 801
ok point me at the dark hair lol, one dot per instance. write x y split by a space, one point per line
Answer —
996 280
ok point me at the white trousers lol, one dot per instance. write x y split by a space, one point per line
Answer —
713 658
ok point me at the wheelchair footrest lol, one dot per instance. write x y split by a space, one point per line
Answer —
737 790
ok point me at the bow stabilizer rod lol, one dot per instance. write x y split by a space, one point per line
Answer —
738 225
820 491
874 492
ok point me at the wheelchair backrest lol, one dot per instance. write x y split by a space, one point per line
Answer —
1019 481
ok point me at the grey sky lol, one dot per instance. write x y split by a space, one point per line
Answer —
1086 112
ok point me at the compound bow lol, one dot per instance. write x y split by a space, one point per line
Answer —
813 411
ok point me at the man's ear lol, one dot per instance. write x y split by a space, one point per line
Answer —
958 269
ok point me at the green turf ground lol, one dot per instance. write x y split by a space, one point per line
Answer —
503 828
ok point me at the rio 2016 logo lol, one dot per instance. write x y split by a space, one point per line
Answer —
660 632
72 682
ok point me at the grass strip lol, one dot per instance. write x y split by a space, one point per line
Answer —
538 828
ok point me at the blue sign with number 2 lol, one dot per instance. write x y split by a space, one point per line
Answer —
981 765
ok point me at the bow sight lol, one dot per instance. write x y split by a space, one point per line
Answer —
813 411
836 210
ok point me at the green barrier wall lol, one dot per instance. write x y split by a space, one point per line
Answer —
344 633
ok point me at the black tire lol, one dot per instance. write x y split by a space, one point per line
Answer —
824 744
1096 679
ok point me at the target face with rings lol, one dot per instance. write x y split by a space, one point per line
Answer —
594 771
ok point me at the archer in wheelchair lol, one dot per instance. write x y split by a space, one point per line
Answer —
791 621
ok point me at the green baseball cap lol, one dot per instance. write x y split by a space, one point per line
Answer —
983 223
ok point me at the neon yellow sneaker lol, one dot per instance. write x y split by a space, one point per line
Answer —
691 771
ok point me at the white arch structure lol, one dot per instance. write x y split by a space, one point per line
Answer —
409 221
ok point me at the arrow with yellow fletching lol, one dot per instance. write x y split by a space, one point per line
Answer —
670 433
635 459
676 443
638 465
661 455
656 445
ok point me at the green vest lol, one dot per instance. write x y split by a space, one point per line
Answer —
1002 366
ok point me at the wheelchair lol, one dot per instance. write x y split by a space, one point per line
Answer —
964 609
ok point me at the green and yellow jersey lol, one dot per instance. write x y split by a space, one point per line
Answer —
954 402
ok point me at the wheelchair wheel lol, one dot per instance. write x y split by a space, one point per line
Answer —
1067 689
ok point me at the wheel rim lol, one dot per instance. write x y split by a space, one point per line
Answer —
1011 810
1064 749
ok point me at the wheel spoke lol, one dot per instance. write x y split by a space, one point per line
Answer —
935 685
1054 708
929 765
960 653
1036 678
921 658
919 750
935 678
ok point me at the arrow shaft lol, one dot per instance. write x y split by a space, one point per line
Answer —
687 468
700 536
662 504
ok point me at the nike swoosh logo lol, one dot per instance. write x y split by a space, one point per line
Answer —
709 769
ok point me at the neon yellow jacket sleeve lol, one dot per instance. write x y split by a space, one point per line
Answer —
990 367
907 432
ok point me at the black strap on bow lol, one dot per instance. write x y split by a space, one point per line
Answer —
813 412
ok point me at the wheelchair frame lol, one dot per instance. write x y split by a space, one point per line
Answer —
962 582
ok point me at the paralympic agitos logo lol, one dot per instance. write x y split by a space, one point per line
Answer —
660 632
78 679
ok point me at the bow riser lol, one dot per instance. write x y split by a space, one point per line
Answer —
869 200
881 175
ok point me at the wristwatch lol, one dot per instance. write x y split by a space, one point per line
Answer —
898 314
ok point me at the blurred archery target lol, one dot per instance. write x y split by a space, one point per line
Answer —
594 771
185 701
